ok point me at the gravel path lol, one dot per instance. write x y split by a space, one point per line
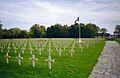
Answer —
108 65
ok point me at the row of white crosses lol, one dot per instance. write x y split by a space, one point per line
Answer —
33 59
7 57
19 58
40 47
22 48
60 44
58 49
18 44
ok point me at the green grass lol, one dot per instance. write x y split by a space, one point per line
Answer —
118 40
79 66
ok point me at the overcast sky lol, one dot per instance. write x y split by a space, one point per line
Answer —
25 13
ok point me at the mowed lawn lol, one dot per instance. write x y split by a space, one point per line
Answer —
118 40
78 66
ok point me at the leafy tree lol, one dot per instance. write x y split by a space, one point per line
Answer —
43 31
6 34
86 32
37 31
64 31
117 30
57 31
73 31
14 32
24 34
93 29
103 31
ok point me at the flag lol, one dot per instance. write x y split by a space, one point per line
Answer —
76 20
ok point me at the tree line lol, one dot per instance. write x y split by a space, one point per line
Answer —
117 31
89 30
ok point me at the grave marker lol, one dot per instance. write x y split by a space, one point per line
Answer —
49 50
60 51
7 57
33 59
72 52
19 59
30 49
14 48
40 50
22 49
2 49
8 49
49 60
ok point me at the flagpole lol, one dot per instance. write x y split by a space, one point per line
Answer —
79 34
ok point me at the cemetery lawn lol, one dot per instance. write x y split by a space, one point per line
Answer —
78 66
118 40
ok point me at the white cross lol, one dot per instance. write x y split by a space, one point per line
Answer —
42 47
64 47
57 49
14 48
8 49
87 45
22 49
7 57
49 50
30 50
60 51
2 49
40 50
49 60
71 52
36 47
33 59
19 59
73 46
